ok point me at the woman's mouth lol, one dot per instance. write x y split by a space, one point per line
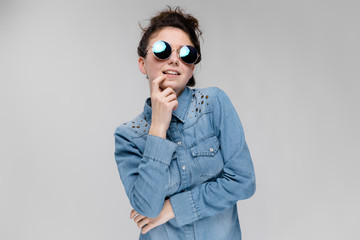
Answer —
171 72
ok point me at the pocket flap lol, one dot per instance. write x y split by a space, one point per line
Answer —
205 147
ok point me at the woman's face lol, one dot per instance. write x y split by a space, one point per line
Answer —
153 67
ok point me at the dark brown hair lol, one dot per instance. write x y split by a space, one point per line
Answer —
172 18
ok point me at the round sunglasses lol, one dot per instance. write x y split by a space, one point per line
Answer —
162 51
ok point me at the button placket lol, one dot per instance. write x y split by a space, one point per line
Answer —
182 159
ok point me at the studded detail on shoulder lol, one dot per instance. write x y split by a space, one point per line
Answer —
139 125
199 103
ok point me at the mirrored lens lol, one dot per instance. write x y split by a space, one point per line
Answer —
188 54
162 50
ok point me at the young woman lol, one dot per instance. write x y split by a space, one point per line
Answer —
183 161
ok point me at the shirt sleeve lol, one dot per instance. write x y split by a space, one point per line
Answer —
145 176
238 179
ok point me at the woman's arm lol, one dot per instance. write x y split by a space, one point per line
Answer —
145 176
238 179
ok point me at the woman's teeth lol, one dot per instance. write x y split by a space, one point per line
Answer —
171 72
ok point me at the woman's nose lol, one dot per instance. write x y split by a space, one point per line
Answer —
174 57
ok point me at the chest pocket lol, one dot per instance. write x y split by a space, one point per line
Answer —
207 156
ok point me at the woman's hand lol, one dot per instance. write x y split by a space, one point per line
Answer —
146 224
163 102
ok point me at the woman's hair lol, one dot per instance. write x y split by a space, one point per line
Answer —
172 18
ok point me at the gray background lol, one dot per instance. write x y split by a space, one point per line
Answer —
69 76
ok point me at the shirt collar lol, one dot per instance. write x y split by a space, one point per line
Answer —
179 113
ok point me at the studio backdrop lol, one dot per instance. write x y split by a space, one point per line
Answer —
69 76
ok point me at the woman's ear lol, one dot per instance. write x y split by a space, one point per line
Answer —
142 65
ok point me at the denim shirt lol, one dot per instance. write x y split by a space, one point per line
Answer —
203 166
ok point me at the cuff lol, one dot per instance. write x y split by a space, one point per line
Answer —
184 208
159 149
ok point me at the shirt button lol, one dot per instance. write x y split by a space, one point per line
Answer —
179 142
211 149
183 167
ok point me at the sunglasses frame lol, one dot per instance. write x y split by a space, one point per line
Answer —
171 50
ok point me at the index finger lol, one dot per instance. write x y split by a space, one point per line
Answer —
155 84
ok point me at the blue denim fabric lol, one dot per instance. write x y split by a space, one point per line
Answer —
204 167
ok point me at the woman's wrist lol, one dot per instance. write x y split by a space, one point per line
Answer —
169 208
157 131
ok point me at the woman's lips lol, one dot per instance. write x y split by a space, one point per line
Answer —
171 72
